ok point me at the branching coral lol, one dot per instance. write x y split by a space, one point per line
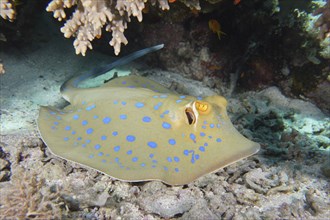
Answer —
323 22
24 199
7 10
2 69
89 18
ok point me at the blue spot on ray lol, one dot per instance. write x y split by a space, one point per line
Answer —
76 117
103 137
139 105
176 159
116 148
129 152
123 117
134 159
152 144
194 156
130 138
166 125
67 128
202 134
146 119
157 106
115 133
169 159
97 147
89 130
218 140
106 120
84 122
90 107
66 139
171 141
192 137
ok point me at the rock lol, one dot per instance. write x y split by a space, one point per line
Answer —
316 203
326 169
3 164
168 203
200 211
71 202
4 175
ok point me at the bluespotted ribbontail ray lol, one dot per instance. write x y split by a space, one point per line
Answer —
134 129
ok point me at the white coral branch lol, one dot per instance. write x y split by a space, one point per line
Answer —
7 10
91 16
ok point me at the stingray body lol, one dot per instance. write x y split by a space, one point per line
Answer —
134 129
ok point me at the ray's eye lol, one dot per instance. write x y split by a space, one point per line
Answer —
190 116
202 107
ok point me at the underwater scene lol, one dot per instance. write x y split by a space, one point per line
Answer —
164 109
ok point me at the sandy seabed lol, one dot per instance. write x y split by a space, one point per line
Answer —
287 179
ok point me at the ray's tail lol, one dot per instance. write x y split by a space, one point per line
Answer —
72 84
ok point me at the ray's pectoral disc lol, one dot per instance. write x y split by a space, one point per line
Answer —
133 129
